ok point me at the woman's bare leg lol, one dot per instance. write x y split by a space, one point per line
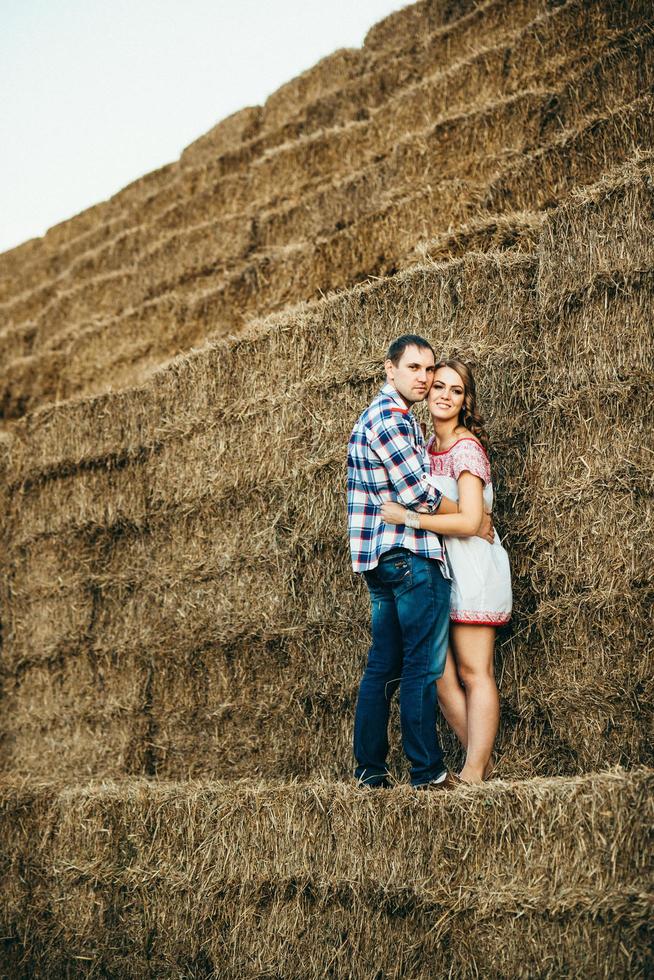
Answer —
452 700
473 649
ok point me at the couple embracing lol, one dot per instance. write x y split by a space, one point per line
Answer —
439 579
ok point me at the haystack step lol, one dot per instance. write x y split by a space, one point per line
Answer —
474 80
120 349
542 878
609 81
381 76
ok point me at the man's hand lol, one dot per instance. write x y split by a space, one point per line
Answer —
486 529
392 513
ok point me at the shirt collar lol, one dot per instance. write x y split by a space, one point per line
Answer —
391 392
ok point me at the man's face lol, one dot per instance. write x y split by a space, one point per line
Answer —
413 375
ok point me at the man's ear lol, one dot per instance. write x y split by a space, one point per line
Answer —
388 365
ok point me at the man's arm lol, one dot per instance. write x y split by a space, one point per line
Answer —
406 467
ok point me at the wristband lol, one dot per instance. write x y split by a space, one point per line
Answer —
412 520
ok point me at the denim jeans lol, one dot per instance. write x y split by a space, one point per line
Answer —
410 626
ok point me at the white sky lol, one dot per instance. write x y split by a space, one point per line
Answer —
95 93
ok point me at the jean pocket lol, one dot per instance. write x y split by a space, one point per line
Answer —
394 570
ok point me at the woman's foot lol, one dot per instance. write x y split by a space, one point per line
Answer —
470 776
490 768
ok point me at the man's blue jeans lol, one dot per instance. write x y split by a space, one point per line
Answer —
410 626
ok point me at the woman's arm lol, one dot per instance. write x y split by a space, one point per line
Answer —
464 523
447 506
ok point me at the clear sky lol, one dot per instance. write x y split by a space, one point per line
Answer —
95 93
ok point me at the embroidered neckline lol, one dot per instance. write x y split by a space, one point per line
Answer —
442 452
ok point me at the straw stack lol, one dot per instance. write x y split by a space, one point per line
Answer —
543 878
199 522
177 602
197 250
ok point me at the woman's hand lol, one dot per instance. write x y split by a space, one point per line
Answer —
486 529
392 513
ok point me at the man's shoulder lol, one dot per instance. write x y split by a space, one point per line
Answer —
381 420
384 409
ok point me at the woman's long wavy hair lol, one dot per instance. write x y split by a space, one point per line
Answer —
468 416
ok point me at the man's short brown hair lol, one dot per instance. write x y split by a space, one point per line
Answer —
399 345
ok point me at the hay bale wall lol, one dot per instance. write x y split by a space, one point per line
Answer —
277 223
176 595
544 878
133 595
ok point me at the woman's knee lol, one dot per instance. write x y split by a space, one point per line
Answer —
475 674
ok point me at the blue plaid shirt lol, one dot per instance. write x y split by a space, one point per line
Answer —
386 460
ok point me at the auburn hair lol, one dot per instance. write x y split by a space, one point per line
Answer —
469 416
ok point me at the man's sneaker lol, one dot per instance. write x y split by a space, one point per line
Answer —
382 784
451 781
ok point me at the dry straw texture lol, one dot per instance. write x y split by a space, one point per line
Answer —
127 565
177 601
546 878
320 212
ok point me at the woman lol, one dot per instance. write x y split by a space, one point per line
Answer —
481 578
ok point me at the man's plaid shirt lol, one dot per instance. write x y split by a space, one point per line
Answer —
386 460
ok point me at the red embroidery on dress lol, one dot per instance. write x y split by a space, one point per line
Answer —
469 458
442 452
483 618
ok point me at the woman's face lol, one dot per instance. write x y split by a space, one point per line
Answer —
446 395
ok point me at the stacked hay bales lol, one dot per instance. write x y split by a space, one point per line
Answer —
136 497
199 247
139 879
177 601
595 557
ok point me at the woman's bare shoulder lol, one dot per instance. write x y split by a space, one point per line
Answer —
464 434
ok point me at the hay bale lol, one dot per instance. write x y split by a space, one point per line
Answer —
607 231
230 132
78 715
451 25
328 73
372 245
244 879
519 231
414 21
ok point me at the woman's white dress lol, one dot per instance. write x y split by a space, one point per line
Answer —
481 576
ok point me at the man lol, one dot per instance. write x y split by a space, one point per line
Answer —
405 571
